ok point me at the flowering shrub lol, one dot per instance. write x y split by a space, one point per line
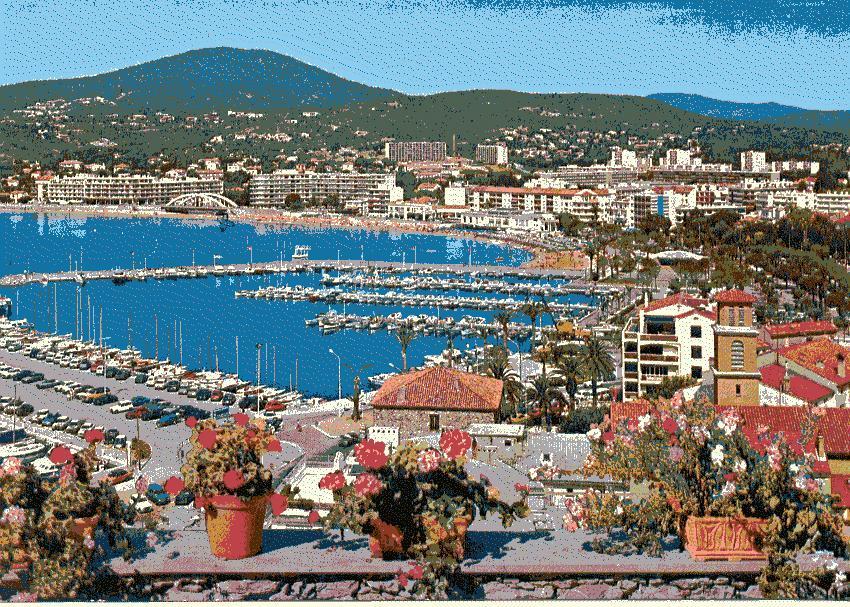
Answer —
696 461
40 529
424 492
226 459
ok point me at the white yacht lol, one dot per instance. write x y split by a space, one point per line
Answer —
301 252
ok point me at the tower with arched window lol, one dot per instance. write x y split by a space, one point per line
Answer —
736 374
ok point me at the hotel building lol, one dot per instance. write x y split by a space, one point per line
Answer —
123 189
271 189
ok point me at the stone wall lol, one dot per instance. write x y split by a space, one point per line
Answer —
468 587
414 422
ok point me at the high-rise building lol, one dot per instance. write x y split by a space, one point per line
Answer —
492 154
754 162
736 373
679 158
271 189
415 151
623 158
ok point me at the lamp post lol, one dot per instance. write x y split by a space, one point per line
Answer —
339 380
259 346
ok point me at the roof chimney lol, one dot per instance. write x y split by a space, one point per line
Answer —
842 366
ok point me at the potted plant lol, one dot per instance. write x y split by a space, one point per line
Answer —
417 502
225 472
49 528
727 497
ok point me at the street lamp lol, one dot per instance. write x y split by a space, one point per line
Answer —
339 380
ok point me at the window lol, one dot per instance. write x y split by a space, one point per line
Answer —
731 317
696 372
737 389
696 352
696 331
434 422
508 442
741 316
737 354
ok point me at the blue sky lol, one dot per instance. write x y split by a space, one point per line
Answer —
788 51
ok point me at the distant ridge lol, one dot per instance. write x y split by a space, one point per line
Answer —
774 113
205 80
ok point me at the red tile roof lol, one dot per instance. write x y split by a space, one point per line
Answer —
820 356
734 296
835 430
440 388
840 487
677 298
798 329
798 386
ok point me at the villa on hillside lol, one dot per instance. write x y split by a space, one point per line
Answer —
429 400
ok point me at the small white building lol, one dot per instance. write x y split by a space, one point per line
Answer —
492 442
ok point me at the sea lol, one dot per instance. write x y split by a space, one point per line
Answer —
200 321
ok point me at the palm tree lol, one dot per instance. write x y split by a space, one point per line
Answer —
532 310
570 373
498 367
597 362
405 334
542 393
503 317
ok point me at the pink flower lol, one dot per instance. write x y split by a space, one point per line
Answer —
142 484
332 481
520 488
233 479
11 466
24 597
88 543
632 425
241 419
455 443
371 454
367 484
191 421
416 573
60 455
313 517
14 516
174 485
676 454
207 438
279 503
67 475
570 523
429 460
151 540
274 446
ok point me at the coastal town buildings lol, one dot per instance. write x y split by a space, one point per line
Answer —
122 189
415 151
495 154
271 189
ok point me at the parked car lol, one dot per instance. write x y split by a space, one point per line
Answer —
24 409
109 436
140 400
120 441
118 476
135 413
121 407
140 378
45 384
184 498
167 420
33 378
143 506
157 495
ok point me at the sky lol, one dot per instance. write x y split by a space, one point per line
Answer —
787 51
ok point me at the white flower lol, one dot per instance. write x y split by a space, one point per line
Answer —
619 510
644 421
740 466
717 455
728 489
594 434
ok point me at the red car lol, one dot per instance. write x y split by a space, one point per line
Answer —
118 476
135 413
275 405
216 396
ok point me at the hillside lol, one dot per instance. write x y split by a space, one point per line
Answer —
203 81
773 113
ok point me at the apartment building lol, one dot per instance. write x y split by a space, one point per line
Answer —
123 189
271 189
586 204
669 337
584 176
415 151
754 162
795 165
491 154
623 158
679 158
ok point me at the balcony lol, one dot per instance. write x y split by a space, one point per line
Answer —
657 337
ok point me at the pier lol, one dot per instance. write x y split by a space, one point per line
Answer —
295 266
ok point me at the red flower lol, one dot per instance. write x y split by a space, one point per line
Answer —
670 426
313 517
200 501
402 579
366 484
241 419
207 438
608 437
279 503
332 481
371 454
60 455
520 488
455 443
93 436
233 479
416 573
174 485
429 460
274 446
730 477
191 421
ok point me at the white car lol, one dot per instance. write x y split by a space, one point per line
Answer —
144 506
121 407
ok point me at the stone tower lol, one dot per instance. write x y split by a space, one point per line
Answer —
736 374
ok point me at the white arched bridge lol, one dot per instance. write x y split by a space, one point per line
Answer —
184 202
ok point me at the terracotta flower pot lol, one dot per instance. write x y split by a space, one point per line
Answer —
453 541
84 527
386 541
234 526
719 538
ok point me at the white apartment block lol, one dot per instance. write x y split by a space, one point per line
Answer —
584 176
586 204
491 154
754 162
415 151
667 338
832 203
623 158
680 158
505 221
123 189
795 165
271 189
